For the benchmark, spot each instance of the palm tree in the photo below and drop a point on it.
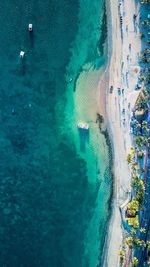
(148, 245)
(145, 22)
(135, 179)
(135, 222)
(133, 207)
(142, 35)
(138, 141)
(129, 158)
(134, 183)
(142, 243)
(140, 194)
(144, 123)
(136, 241)
(142, 230)
(129, 241)
(122, 255)
(135, 262)
(140, 197)
(145, 1)
(144, 128)
(140, 154)
(134, 167)
(133, 231)
(142, 78)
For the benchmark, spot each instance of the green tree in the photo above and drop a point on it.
(135, 262)
(129, 158)
(129, 241)
(148, 245)
(133, 207)
(140, 154)
(133, 231)
(140, 191)
(134, 167)
(142, 230)
(142, 243)
(122, 255)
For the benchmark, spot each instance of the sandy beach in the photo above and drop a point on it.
(123, 73)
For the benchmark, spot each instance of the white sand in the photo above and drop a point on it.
(115, 104)
(86, 107)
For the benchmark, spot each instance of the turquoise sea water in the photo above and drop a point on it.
(54, 197)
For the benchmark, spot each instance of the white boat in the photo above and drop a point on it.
(30, 27)
(83, 125)
(22, 54)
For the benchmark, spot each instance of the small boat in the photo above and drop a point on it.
(30, 27)
(83, 125)
(22, 54)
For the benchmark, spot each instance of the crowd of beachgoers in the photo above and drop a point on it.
(128, 109)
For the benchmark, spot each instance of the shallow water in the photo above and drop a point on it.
(53, 201)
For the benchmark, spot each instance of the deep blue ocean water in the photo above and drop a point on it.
(46, 201)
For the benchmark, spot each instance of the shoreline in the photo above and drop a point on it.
(117, 134)
(104, 94)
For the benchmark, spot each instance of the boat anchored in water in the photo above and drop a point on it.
(30, 27)
(83, 125)
(22, 54)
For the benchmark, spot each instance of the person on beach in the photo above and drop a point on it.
(121, 20)
(130, 47)
(122, 64)
(119, 91)
(135, 23)
(119, 5)
(127, 78)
